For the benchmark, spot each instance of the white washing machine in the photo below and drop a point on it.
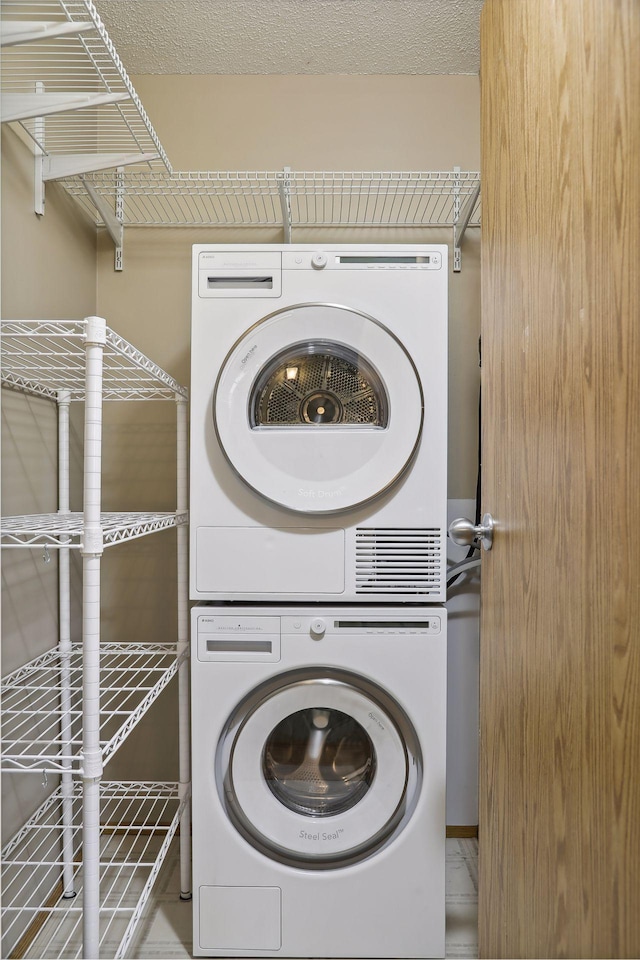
(318, 781)
(319, 423)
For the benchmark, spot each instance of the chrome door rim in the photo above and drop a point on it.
(303, 840)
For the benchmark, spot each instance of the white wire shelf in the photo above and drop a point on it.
(137, 824)
(45, 357)
(56, 530)
(66, 86)
(39, 734)
(295, 198)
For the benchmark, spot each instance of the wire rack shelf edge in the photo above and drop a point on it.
(138, 822)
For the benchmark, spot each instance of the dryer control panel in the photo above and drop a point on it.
(353, 260)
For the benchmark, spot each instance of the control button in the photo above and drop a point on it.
(319, 260)
(297, 624)
(318, 628)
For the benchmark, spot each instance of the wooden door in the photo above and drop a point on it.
(560, 630)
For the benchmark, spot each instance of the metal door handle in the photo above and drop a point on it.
(464, 532)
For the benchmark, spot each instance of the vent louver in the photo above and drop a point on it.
(399, 560)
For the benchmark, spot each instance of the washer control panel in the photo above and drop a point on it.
(258, 638)
(349, 625)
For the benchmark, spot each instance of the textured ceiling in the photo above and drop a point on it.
(295, 36)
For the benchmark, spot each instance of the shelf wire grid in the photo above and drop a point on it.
(137, 823)
(44, 357)
(57, 530)
(39, 735)
(82, 64)
(254, 198)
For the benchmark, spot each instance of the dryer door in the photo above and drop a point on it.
(318, 769)
(318, 408)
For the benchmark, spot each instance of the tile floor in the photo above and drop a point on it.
(165, 928)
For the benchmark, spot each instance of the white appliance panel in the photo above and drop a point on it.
(269, 560)
(340, 895)
(378, 481)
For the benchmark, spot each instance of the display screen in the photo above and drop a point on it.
(384, 624)
(382, 259)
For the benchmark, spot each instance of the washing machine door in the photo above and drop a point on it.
(318, 408)
(318, 769)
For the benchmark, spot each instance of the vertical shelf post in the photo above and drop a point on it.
(64, 647)
(182, 648)
(95, 339)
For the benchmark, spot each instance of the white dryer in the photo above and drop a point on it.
(319, 423)
(319, 781)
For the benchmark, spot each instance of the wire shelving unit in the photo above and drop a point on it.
(137, 823)
(69, 710)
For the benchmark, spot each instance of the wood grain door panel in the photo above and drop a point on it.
(560, 629)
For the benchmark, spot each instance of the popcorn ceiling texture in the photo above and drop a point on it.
(295, 36)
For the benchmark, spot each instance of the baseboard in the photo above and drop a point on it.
(460, 833)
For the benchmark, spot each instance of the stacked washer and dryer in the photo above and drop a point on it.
(317, 560)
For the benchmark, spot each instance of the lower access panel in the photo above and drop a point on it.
(240, 918)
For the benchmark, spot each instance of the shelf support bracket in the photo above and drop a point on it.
(15, 32)
(461, 222)
(284, 188)
(112, 221)
(24, 106)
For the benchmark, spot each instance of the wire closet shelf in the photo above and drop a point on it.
(65, 85)
(282, 198)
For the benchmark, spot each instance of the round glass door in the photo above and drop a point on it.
(318, 408)
(318, 383)
(319, 762)
(318, 768)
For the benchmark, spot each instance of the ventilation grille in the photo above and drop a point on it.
(403, 560)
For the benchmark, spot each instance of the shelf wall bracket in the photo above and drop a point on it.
(461, 218)
(457, 253)
(119, 247)
(284, 189)
(74, 165)
(112, 220)
(460, 225)
(15, 32)
(25, 106)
